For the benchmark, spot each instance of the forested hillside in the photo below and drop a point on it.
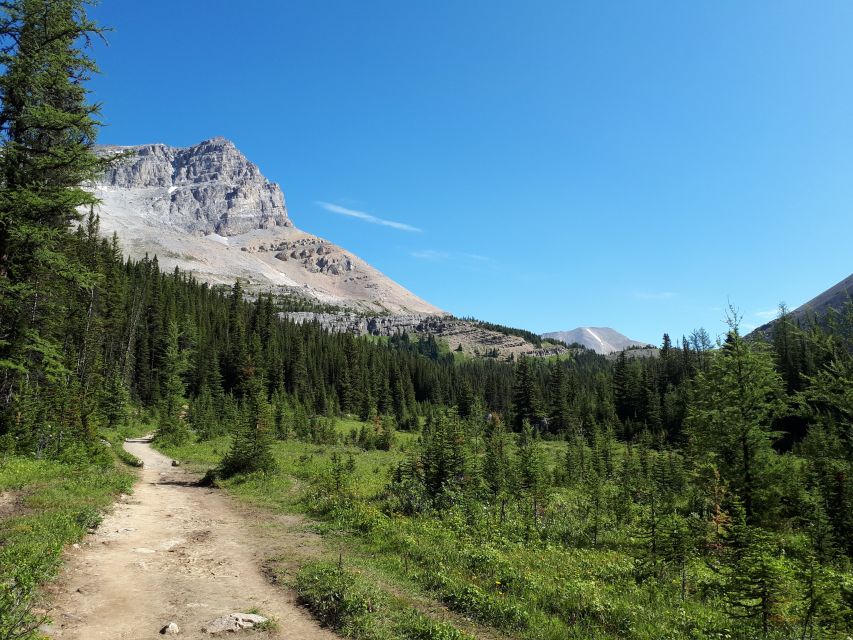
(705, 493)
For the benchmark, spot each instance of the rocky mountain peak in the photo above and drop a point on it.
(209, 211)
(207, 188)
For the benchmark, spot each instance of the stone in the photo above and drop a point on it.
(208, 188)
(233, 622)
(175, 463)
(170, 629)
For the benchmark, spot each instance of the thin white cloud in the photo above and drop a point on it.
(437, 255)
(654, 295)
(476, 257)
(430, 254)
(766, 315)
(367, 217)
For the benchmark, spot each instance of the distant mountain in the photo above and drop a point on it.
(210, 211)
(833, 298)
(600, 339)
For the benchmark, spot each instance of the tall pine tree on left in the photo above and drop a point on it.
(47, 135)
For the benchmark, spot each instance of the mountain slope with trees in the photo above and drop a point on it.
(819, 309)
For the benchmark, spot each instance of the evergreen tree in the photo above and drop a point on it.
(443, 456)
(730, 416)
(47, 132)
(173, 405)
(559, 412)
(531, 472)
(251, 450)
(756, 576)
(498, 469)
(526, 399)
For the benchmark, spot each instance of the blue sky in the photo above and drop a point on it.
(539, 164)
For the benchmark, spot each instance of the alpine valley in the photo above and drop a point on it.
(213, 423)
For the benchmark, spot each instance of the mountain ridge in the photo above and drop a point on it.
(833, 298)
(208, 210)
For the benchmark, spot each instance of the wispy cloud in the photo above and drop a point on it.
(654, 295)
(367, 217)
(766, 315)
(430, 254)
(437, 255)
(476, 257)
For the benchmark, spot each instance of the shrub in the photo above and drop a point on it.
(416, 626)
(338, 598)
(17, 619)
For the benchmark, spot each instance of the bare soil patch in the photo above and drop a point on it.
(178, 552)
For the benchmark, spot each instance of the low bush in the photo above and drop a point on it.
(416, 626)
(338, 598)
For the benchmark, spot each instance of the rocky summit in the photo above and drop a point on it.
(602, 340)
(210, 211)
(208, 188)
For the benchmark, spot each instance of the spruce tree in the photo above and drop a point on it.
(526, 397)
(251, 448)
(730, 416)
(531, 472)
(47, 133)
(756, 577)
(173, 428)
(498, 469)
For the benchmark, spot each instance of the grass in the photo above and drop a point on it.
(348, 602)
(298, 462)
(53, 504)
(270, 625)
(463, 569)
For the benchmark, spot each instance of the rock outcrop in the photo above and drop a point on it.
(208, 188)
(473, 338)
(234, 622)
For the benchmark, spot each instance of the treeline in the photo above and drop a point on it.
(192, 353)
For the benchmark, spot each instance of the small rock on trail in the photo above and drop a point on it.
(170, 629)
(233, 622)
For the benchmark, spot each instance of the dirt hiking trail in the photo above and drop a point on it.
(173, 552)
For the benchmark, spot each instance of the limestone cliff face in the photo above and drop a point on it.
(207, 188)
(210, 211)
